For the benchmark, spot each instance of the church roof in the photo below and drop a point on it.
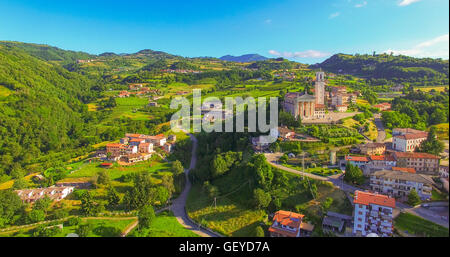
(306, 96)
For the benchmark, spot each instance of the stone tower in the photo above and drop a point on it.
(319, 87)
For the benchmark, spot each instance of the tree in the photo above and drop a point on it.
(146, 215)
(353, 174)
(284, 158)
(36, 216)
(262, 199)
(431, 145)
(87, 204)
(112, 197)
(83, 230)
(140, 194)
(259, 232)
(263, 171)
(326, 204)
(413, 198)
(167, 182)
(10, 206)
(177, 167)
(20, 183)
(103, 177)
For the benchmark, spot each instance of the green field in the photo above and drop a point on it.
(317, 171)
(165, 225)
(101, 227)
(420, 227)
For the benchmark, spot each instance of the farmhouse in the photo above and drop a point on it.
(383, 106)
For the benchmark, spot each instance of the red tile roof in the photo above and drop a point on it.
(367, 198)
(288, 218)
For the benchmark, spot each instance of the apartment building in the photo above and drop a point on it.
(399, 183)
(373, 214)
(424, 163)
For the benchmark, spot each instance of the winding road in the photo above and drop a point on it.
(178, 206)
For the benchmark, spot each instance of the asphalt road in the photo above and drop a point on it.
(178, 206)
(381, 132)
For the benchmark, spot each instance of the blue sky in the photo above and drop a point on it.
(305, 31)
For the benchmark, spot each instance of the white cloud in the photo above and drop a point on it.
(334, 15)
(361, 4)
(436, 47)
(298, 55)
(407, 2)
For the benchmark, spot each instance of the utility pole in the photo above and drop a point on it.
(215, 202)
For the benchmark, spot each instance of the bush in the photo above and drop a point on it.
(73, 221)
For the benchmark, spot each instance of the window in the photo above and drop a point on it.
(359, 226)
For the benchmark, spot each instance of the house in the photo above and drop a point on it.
(136, 141)
(172, 138)
(372, 148)
(335, 222)
(54, 193)
(124, 140)
(359, 161)
(383, 106)
(289, 224)
(168, 147)
(123, 94)
(158, 140)
(135, 86)
(443, 171)
(341, 107)
(286, 133)
(399, 183)
(115, 148)
(372, 214)
(153, 104)
(397, 88)
(145, 148)
(422, 162)
(407, 140)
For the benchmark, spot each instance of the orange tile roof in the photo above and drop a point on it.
(288, 218)
(283, 232)
(410, 170)
(367, 198)
(113, 145)
(356, 158)
(377, 157)
(415, 155)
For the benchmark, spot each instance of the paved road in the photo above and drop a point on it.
(381, 132)
(178, 206)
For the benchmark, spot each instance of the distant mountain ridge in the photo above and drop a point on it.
(243, 58)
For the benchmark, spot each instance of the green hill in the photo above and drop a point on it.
(43, 109)
(395, 68)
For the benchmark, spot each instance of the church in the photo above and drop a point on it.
(307, 106)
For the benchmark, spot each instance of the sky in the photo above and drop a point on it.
(301, 30)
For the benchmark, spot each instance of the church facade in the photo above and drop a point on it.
(307, 106)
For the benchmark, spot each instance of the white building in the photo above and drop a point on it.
(407, 140)
(373, 214)
(399, 183)
(54, 193)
